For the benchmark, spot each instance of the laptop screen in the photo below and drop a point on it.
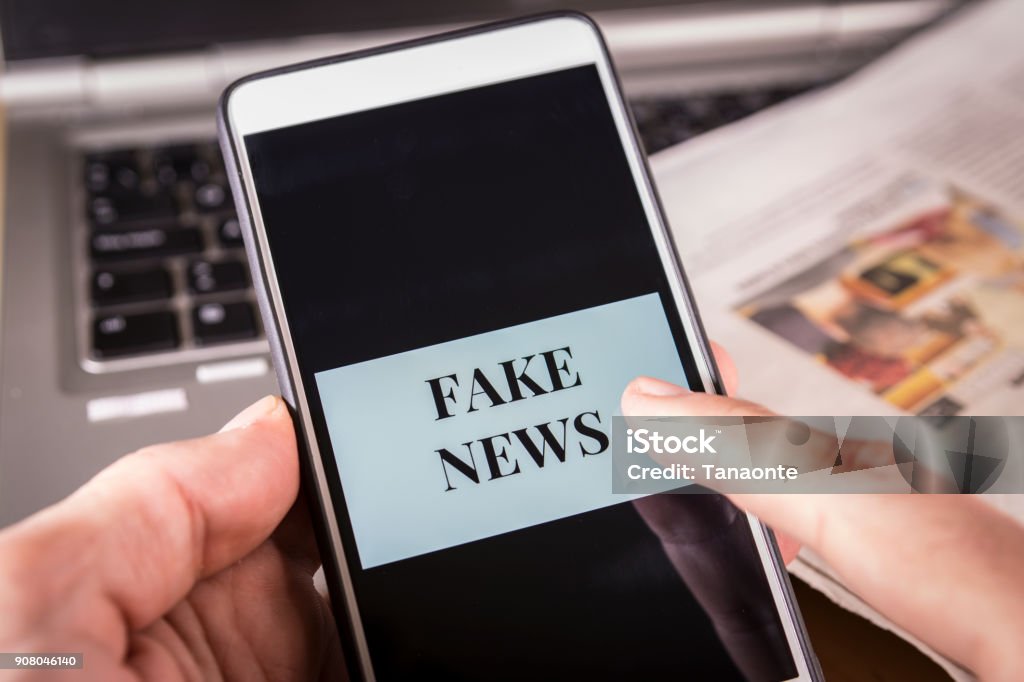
(34, 29)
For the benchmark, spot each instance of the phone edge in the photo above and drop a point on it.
(309, 483)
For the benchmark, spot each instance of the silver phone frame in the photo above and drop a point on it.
(294, 393)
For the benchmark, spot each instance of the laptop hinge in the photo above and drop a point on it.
(44, 83)
(65, 89)
(644, 42)
(73, 88)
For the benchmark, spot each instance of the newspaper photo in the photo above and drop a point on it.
(925, 315)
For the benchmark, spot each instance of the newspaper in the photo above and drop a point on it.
(860, 250)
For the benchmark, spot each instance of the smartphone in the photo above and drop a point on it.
(461, 262)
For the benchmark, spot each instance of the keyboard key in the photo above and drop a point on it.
(181, 162)
(111, 172)
(205, 277)
(110, 287)
(731, 108)
(220, 322)
(212, 197)
(150, 243)
(115, 335)
(229, 232)
(110, 210)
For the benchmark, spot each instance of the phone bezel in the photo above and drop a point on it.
(295, 94)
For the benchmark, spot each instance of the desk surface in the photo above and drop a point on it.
(852, 649)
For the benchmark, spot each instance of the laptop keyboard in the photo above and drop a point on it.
(167, 268)
(664, 122)
(168, 280)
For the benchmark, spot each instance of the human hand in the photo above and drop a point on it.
(945, 568)
(182, 561)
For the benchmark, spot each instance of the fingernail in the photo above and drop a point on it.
(259, 409)
(657, 388)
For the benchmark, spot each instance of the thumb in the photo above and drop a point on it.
(648, 397)
(131, 543)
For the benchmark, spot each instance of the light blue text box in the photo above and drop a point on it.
(385, 431)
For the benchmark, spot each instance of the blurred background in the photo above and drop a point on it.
(127, 312)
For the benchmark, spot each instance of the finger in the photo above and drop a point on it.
(649, 397)
(789, 546)
(131, 542)
(655, 398)
(726, 368)
(817, 449)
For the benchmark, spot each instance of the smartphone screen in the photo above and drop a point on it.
(470, 280)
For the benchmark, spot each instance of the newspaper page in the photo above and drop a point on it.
(860, 250)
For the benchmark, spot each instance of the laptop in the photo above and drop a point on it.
(128, 315)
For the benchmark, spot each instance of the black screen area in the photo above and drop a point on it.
(433, 220)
